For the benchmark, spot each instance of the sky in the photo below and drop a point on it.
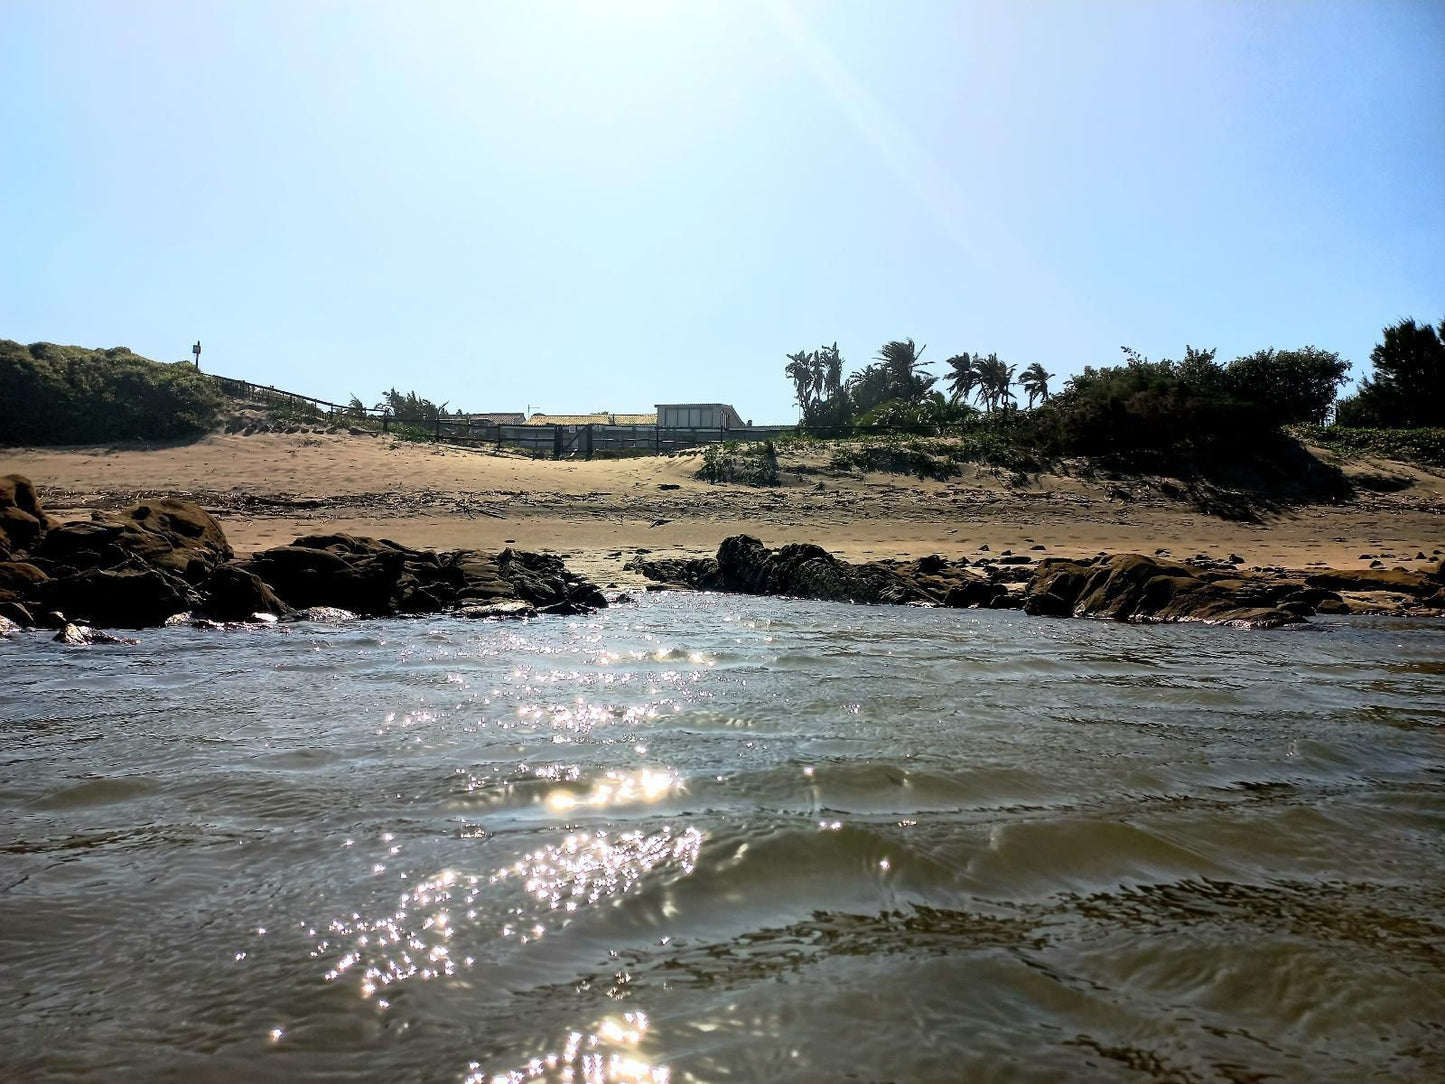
(603, 205)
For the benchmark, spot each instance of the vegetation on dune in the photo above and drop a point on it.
(1425, 445)
(70, 395)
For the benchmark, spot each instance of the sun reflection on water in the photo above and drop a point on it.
(604, 1055)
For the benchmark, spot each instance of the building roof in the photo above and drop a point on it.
(601, 417)
(497, 417)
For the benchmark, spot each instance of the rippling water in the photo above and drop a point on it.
(722, 838)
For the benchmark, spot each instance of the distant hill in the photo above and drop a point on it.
(53, 394)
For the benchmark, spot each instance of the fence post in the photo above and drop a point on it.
(556, 442)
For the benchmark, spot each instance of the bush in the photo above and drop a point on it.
(1423, 445)
(70, 395)
(749, 464)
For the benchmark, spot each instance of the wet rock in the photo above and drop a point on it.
(234, 594)
(330, 615)
(16, 612)
(1047, 604)
(1132, 587)
(976, 593)
(376, 577)
(82, 635)
(8, 627)
(50, 619)
(126, 597)
(503, 608)
(743, 565)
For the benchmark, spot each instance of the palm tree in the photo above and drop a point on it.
(962, 377)
(994, 378)
(904, 365)
(1035, 383)
(800, 371)
(833, 364)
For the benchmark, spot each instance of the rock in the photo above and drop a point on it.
(8, 627)
(14, 611)
(234, 594)
(51, 619)
(175, 536)
(376, 577)
(743, 565)
(128, 598)
(330, 615)
(82, 635)
(513, 608)
(1047, 604)
(23, 523)
(978, 593)
(1132, 587)
(18, 580)
(1393, 579)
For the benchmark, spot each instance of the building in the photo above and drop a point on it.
(495, 417)
(600, 417)
(698, 416)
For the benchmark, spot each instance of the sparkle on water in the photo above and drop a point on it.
(709, 837)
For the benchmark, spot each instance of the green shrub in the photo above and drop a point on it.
(1426, 446)
(70, 395)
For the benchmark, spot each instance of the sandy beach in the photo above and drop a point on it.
(268, 488)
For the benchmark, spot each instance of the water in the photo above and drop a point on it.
(721, 838)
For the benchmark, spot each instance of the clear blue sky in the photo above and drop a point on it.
(604, 205)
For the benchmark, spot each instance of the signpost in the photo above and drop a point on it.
(197, 351)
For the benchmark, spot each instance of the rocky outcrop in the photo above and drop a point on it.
(169, 557)
(1132, 587)
(376, 577)
(127, 597)
(23, 522)
(234, 594)
(174, 536)
(743, 565)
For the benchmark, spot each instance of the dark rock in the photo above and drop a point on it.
(1132, 587)
(513, 608)
(127, 598)
(743, 565)
(668, 485)
(976, 593)
(234, 594)
(175, 536)
(50, 619)
(1014, 559)
(82, 635)
(18, 580)
(1007, 601)
(14, 611)
(1332, 606)
(23, 523)
(1047, 604)
(1394, 579)
(376, 577)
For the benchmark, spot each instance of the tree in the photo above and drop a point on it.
(994, 380)
(962, 377)
(903, 362)
(1408, 385)
(1035, 383)
(1288, 387)
(800, 371)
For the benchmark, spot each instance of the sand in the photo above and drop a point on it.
(268, 488)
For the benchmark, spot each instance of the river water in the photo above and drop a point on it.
(719, 838)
